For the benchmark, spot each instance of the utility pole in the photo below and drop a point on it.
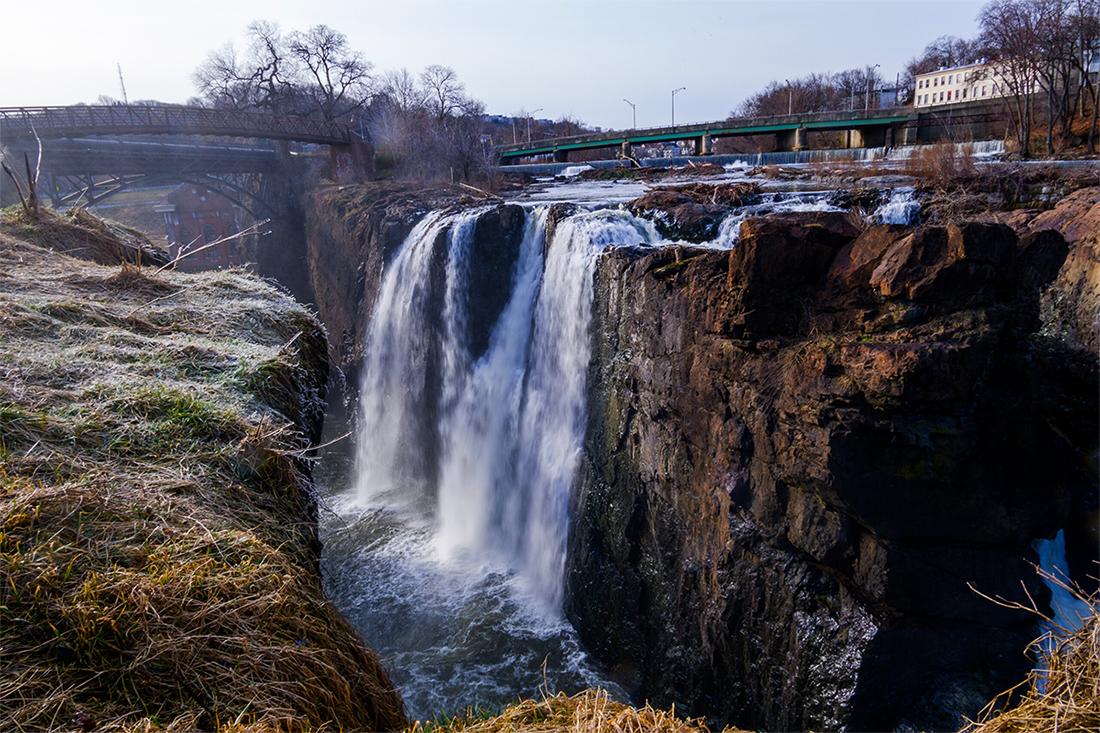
(122, 84)
(674, 91)
(529, 116)
(790, 98)
(634, 112)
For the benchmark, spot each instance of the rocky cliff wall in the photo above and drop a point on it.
(803, 457)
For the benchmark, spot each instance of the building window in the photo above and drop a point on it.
(964, 94)
(949, 95)
(983, 90)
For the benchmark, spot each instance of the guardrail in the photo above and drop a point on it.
(726, 124)
(79, 120)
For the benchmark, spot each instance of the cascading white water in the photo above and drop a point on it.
(902, 208)
(508, 423)
(393, 370)
(729, 231)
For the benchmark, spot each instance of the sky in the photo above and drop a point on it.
(568, 57)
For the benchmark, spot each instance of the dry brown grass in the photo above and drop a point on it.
(83, 235)
(158, 550)
(1063, 694)
(590, 711)
(941, 165)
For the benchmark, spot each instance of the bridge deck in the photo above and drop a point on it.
(724, 128)
(85, 120)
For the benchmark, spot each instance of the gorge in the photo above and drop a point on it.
(761, 476)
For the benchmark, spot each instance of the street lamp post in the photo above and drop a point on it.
(790, 97)
(634, 113)
(530, 115)
(674, 91)
(870, 83)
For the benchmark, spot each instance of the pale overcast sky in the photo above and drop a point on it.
(576, 57)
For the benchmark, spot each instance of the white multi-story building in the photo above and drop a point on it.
(973, 82)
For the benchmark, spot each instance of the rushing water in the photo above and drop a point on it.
(446, 544)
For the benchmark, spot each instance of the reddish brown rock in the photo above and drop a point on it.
(788, 484)
(1076, 217)
(855, 262)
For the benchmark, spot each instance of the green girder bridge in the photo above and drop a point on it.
(862, 128)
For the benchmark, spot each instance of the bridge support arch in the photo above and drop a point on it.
(626, 150)
(561, 156)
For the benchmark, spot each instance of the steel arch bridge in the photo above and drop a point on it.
(91, 152)
(117, 119)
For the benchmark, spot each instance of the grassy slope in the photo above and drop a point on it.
(158, 550)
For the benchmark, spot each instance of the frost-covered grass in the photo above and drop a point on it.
(157, 539)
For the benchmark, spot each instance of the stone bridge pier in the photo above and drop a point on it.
(352, 162)
(795, 139)
(869, 137)
(704, 145)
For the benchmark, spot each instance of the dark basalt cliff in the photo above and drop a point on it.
(804, 452)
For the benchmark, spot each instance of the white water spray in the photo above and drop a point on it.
(508, 424)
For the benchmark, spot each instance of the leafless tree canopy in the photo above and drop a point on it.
(422, 126)
(308, 73)
(338, 78)
(1045, 49)
(814, 93)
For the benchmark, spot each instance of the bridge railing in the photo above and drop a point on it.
(165, 119)
(703, 127)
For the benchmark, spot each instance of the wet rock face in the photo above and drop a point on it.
(692, 212)
(799, 454)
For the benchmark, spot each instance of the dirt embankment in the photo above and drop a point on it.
(158, 539)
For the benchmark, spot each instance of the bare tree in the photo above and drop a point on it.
(1010, 30)
(338, 77)
(260, 79)
(401, 89)
(269, 71)
(444, 93)
(1084, 24)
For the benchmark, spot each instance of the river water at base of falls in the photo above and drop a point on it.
(445, 544)
(446, 522)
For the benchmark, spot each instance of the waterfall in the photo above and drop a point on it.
(729, 231)
(902, 208)
(490, 442)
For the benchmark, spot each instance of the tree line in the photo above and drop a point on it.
(422, 125)
(1043, 50)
